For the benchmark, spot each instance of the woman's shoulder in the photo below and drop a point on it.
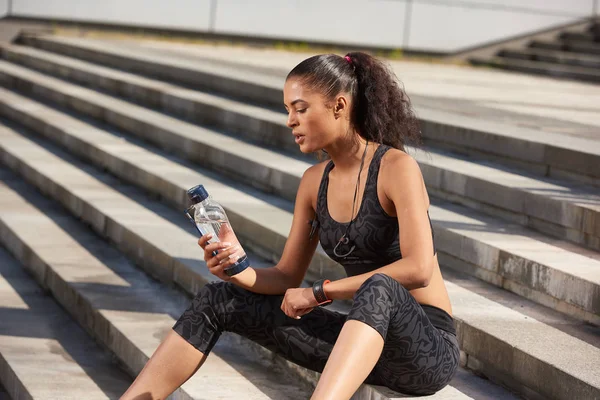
(396, 158)
(315, 172)
(311, 178)
(400, 171)
(397, 165)
(311, 181)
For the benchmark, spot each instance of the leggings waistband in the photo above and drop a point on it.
(439, 318)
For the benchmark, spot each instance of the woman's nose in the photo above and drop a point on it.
(291, 120)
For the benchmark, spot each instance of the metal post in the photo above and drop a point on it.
(213, 16)
(407, 21)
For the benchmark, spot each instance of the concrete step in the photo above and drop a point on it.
(179, 70)
(545, 153)
(507, 255)
(526, 199)
(575, 46)
(515, 349)
(549, 56)
(44, 354)
(549, 45)
(119, 305)
(543, 68)
(128, 309)
(580, 37)
(582, 47)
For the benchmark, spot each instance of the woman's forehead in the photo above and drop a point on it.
(295, 89)
(294, 85)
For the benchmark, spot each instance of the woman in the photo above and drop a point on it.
(399, 332)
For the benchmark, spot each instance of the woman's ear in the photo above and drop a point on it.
(340, 107)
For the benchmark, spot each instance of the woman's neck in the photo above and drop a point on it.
(347, 154)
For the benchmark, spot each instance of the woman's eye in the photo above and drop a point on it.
(301, 111)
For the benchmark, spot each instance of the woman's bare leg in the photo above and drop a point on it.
(173, 363)
(352, 359)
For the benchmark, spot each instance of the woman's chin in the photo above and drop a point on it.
(308, 150)
(305, 148)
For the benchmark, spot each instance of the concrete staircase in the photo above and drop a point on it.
(38, 336)
(570, 54)
(99, 143)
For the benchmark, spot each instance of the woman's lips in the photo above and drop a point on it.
(299, 138)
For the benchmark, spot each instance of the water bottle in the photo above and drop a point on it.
(208, 216)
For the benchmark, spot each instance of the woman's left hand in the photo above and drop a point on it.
(298, 301)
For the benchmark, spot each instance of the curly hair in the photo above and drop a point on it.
(382, 111)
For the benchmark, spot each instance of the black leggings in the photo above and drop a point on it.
(417, 357)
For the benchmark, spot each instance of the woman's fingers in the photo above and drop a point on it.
(218, 255)
(216, 246)
(223, 259)
(286, 310)
(225, 253)
(292, 311)
(211, 250)
(215, 266)
(204, 239)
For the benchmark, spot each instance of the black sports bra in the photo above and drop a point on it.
(373, 236)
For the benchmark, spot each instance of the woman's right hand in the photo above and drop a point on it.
(217, 263)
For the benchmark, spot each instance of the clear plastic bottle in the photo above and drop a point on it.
(208, 216)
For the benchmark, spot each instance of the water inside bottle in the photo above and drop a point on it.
(206, 226)
(221, 231)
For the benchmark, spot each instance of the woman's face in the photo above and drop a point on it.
(314, 124)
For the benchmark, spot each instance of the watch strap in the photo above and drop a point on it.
(319, 292)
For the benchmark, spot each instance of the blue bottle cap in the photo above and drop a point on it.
(197, 194)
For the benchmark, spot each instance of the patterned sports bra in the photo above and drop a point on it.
(374, 234)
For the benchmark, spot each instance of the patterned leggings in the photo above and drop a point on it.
(417, 357)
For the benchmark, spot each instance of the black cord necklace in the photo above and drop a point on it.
(344, 239)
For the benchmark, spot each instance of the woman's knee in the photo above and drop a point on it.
(380, 285)
(379, 279)
(201, 324)
(228, 303)
(374, 303)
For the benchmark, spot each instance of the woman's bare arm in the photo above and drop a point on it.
(298, 251)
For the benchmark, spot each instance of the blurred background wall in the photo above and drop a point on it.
(425, 25)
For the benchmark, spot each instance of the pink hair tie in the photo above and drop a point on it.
(348, 59)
